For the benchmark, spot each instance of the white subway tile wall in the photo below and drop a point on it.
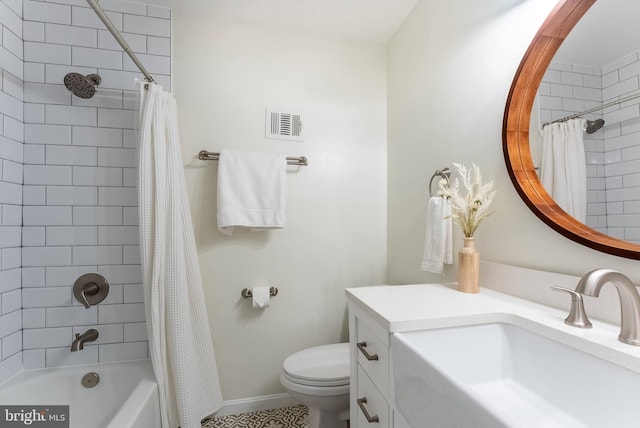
(75, 210)
(613, 154)
(12, 92)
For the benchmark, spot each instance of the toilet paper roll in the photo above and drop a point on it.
(261, 297)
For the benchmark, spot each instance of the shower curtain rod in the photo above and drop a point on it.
(591, 110)
(114, 31)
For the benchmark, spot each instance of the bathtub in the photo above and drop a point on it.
(125, 397)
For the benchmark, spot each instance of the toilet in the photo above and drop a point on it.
(319, 378)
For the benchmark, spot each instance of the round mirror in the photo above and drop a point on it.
(517, 119)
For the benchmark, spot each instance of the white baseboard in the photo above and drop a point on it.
(255, 404)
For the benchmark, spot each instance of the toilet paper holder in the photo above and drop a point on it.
(246, 293)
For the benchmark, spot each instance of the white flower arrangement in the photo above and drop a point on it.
(468, 211)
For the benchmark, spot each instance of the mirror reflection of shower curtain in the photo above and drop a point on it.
(563, 169)
(180, 341)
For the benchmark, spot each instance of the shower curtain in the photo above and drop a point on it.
(180, 342)
(563, 169)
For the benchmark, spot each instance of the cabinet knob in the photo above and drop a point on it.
(371, 419)
(362, 346)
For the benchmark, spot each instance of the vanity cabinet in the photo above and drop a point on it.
(370, 371)
(378, 312)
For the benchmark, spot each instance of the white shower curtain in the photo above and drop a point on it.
(563, 169)
(179, 338)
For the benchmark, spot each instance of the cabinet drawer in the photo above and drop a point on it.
(372, 348)
(370, 403)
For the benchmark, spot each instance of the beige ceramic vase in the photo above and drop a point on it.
(468, 267)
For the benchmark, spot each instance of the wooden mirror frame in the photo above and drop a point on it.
(515, 133)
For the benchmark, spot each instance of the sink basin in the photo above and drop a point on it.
(501, 375)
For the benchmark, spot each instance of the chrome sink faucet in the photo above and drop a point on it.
(590, 285)
(88, 336)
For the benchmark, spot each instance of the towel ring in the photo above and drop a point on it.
(445, 174)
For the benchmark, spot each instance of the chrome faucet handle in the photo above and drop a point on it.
(577, 315)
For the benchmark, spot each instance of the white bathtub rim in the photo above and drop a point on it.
(28, 374)
(146, 392)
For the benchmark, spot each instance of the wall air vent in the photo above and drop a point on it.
(283, 126)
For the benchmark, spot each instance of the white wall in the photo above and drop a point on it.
(335, 236)
(80, 200)
(450, 68)
(621, 79)
(11, 144)
(68, 202)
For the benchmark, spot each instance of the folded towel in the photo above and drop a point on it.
(438, 245)
(251, 190)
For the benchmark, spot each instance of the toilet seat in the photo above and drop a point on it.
(321, 366)
(320, 390)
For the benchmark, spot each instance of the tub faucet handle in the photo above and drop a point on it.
(91, 289)
(577, 315)
(88, 290)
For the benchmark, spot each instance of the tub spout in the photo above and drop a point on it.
(88, 336)
(592, 282)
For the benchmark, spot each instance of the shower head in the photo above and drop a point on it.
(593, 125)
(82, 86)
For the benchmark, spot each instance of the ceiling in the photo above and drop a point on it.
(364, 20)
(607, 32)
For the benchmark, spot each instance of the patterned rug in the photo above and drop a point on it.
(287, 417)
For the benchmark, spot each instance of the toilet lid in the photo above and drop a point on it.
(320, 364)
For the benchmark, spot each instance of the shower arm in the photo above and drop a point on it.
(116, 34)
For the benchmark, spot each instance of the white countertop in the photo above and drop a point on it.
(401, 308)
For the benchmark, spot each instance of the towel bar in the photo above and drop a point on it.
(246, 293)
(298, 160)
(445, 174)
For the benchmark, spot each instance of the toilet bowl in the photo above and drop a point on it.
(319, 378)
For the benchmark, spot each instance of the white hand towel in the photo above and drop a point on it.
(251, 190)
(438, 241)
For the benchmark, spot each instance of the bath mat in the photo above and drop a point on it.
(287, 417)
